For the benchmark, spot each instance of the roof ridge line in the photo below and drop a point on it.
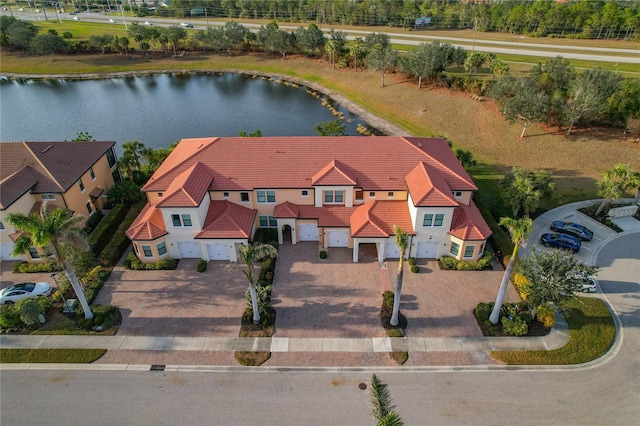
(46, 170)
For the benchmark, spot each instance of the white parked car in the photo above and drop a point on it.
(589, 285)
(186, 25)
(75, 18)
(13, 293)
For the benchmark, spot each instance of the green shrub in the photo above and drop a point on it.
(448, 262)
(546, 315)
(44, 302)
(93, 221)
(133, 263)
(387, 299)
(267, 270)
(119, 243)
(323, 254)
(515, 326)
(10, 318)
(202, 266)
(28, 268)
(106, 229)
(412, 261)
(30, 310)
(267, 236)
(483, 311)
(415, 269)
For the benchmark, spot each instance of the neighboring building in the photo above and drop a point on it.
(210, 195)
(71, 175)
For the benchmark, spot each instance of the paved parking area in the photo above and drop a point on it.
(178, 303)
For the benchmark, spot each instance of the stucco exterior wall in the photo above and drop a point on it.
(76, 199)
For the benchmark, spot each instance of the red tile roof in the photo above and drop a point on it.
(468, 224)
(327, 216)
(227, 220)
(378, 218)
(148, 226)
(333, 174)
(429, 188)
(56, 165)
(286, 210)
(188, 188)
(375, 163)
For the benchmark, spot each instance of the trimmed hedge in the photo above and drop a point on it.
(28, 268)
(202, 266)
(500, 239)
(93, 221)
(133, 263)
(106, 229)
(449, 262)
(267, 236)
(119, 241)
(93, 282)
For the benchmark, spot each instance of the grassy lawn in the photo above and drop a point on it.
(66, 356)
(591, 334)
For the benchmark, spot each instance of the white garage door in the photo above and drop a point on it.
(391, 249)
(427, 250)
(189, 250)
(218, 251)
(5, 251)
(338, 238)
(308, 232)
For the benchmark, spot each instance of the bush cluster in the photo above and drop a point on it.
(202, 266)
(546, 315)
(522, 285)
(24, 267)
(119, 242)
(93, 221)
(267, 236)
(323, 254)
(263, 294)
(106, 229)
(483, 311)
(94, 281)
(132, 262)
(25, 313)
(104, 316)
(449, 262)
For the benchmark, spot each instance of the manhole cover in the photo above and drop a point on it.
(362, 386)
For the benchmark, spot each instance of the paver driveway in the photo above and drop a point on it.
(178, 303)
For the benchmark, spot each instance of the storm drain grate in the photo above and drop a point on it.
(157, 367)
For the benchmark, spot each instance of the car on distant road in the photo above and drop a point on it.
(575, 230)
(561, 241)
(13, 293)
(148, 23)
(75, 18)
(113, 21)
(589, 285)
(186, 25)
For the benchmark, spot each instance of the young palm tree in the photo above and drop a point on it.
(519, 230)
(52, 230)
(248, 254)
(402, 240)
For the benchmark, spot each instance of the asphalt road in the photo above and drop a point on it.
(595, 54)
(601, 393)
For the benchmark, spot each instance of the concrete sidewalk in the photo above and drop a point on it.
(555, 339)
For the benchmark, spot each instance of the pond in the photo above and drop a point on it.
(158, 110)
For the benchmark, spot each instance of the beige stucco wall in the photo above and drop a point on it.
(137, 245)
(76, 200)
(477, 245)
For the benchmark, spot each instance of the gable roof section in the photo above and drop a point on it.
(376, 163)
(189, 188)
(468, 224)
(148, 226)
(328, 216)
(55, 165)
(377, 219)
(286, 210)
(332, 174)
(16, 185)
(227, 220)
(428, 187)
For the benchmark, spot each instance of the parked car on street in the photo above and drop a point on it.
(561, 241)
(13, 293)
(573, 229)
(589, 285)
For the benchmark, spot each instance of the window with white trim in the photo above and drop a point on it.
(457, 194)
(266, 196)
(160, 194)
(390, 194)
(48, 196)
(263, 221)
(186, 219)
(88, 205)
(272, 221)
(305, 193)
(162, 248)
(92, 174)
(468, 251)
(334, 197)
(147, 251)
(372, 194)
(33, 252)
(427, 220)
(438, 219)
(175, 218)
(225, 194)
(455, 248)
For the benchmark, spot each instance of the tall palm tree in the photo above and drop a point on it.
(52, 230)
(402, 241)
(519, 230)
(249, 254)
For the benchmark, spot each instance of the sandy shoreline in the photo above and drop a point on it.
(373, 120)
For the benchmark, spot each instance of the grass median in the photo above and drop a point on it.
(56, 356)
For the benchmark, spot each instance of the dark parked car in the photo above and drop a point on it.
(562, 241)
(573, 229)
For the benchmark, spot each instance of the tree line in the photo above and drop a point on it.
(578, 19)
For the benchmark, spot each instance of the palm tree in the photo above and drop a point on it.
(248, 254)
(402, 241)
(519, 230)
(52, 230)
(615, 182)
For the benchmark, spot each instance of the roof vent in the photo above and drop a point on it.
(419, 144)
(46, 149)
